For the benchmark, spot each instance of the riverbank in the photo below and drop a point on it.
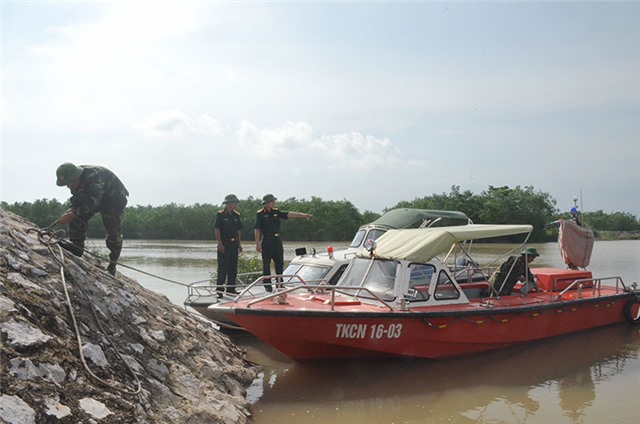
(144, 359)
(617, 235)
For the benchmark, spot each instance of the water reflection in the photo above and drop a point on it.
(560, 377)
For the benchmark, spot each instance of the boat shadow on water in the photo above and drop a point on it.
(566, 369)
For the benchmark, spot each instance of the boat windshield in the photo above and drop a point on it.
(377, 276)
(311, 274)
(373, 234)
(357, 239)
(419, 282)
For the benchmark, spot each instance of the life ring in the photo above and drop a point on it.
(631, 311)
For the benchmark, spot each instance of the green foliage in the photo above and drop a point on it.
(617, 221)
(465, 202)
(517, 206)
(249, 263)
(171, 222)
(249, 269)
(332, 220)
(42, 212)
(369, 216)
(497, 205)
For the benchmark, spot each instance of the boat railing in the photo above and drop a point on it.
(471, 273)
(205, 289)
(246, 278)
(281, 294)
(200, 290)
(595, 284)
(283, 281)
(358, 291)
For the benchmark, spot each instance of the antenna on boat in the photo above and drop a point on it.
(575, 204)
(575, 201)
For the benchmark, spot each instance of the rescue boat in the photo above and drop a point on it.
(402, 297)
(313, 267)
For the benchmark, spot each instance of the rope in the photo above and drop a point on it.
(48, 237)
(144, 272)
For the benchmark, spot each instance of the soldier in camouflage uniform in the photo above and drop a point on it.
(510, 273)
(227, 231)
(267, 234)
(94, 189)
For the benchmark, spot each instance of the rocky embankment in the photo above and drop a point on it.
(171, 367)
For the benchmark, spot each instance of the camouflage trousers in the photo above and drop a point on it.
(112, 221)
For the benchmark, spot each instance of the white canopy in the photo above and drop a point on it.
(423, 244)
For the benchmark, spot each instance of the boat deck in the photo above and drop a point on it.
(343, 303)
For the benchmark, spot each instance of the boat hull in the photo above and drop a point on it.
(304, 334)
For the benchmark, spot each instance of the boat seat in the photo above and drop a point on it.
(476, 289)
(475, 278)
(418, 292)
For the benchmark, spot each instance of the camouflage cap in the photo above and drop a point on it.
(268, 198)
(66, 173)
(530, 251)
(231, 198)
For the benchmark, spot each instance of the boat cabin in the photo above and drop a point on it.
(408, 283)
(315, 267)
(404, 268)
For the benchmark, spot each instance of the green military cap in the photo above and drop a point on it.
(66, 173)
(530, 251)
(268, 198)
(231, 198)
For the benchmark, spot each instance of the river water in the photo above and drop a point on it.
(590, 377)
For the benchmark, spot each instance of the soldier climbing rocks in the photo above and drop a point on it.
(94, 189)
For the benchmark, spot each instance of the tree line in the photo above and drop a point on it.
(334, 220)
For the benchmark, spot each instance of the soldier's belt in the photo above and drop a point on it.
(272, 235)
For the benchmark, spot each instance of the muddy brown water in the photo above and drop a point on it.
(591, 377)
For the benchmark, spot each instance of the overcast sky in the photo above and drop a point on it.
(374, 103)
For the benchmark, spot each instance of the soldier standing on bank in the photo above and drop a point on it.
(267, 235)
(94, 189)
(227, 229)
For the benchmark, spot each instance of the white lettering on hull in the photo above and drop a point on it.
(351, 331)
(363, 331)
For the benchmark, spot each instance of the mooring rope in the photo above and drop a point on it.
(48, 237)
(144, 272)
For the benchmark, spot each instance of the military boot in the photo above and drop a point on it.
(111, 268)
(72, 247)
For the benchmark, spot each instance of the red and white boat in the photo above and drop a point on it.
(403, 298)
(322, 267)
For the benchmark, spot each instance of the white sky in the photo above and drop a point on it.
(370, 102)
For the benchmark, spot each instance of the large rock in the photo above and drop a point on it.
(172, 353)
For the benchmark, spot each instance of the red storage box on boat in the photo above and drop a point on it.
(553, 279)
